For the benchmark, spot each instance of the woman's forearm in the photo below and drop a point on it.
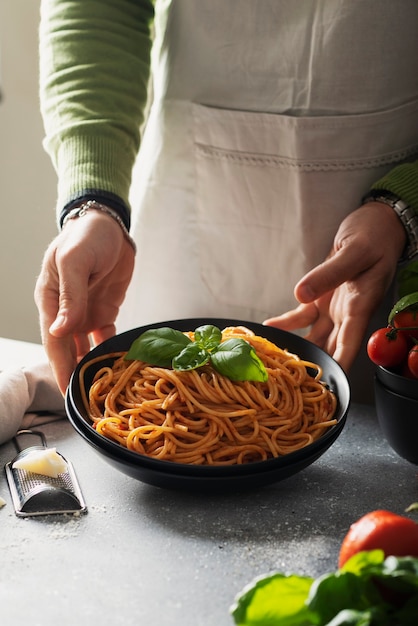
(94, 71)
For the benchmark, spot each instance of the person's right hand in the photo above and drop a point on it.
(83, 280)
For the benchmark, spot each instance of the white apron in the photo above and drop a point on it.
(270, 120)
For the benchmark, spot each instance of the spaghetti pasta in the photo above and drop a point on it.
(201, 417)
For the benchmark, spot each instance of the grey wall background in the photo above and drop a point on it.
(27, 179)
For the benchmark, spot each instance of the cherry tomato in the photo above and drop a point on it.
(406, 319)
(406, 372)
(413, 361)
(387, 347)
(395, 534)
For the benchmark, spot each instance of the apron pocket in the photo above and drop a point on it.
(266, 189)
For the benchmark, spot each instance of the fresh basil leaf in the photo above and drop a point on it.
(237, 360)
(208, 337)
(407, 613)
(408, 279)
(368, 590)
(362, 560)
(332, 593)
(411, 300)
(351, 617)
(158, 346)
(405, 566)
(191, 357)
(166, 347)
(276, 599)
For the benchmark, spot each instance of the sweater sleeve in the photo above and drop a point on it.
(403, 182)
(94, 71)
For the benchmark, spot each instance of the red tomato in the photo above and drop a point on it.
(406, 319)
(395, 534)
(387, 347)
(413, 361)
(405, 371)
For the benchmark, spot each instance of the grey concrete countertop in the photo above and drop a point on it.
(144, 555)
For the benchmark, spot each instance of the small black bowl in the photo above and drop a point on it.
(202, 477)
(396, 400)
(397, 383)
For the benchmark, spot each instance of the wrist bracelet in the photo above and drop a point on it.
(97, 206)
(407, 216)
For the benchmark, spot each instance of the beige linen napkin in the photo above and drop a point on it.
(29, 397)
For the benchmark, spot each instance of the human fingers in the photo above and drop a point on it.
(61, 304)
(74, 274)
(62, 355)
(61, 351)
(301, 317)
(342, 266)
(321, 331)
(307, 316)
(355, 250)
(101, 334)
(65, 352)
(347, 340)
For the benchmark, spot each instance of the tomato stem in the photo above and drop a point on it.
(392, 334)
(393, 331)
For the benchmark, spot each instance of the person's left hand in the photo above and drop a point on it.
(339, 296)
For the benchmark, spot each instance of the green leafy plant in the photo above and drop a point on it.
(369, 590)
(166, 347)
(408, 279)
(409, 301)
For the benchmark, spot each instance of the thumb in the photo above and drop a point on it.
(344, 265)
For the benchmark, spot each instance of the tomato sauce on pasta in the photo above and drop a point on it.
(201, 417)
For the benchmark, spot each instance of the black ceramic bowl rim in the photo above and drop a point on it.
(334, 376)
(407, 387)
(397, 416)
(395, 394)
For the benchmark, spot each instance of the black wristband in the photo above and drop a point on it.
(103, 197)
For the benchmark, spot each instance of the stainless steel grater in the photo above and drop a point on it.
(36, 494)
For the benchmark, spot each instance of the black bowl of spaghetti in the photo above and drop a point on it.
(200, 431)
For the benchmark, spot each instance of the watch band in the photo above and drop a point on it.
(406, 214)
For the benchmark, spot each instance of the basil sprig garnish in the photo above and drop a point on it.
(409, 301)
(165, 347)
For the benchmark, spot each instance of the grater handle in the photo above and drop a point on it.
(36, 433)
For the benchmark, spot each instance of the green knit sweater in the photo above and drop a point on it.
(93, 90)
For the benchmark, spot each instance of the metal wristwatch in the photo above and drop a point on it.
(406, 214)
